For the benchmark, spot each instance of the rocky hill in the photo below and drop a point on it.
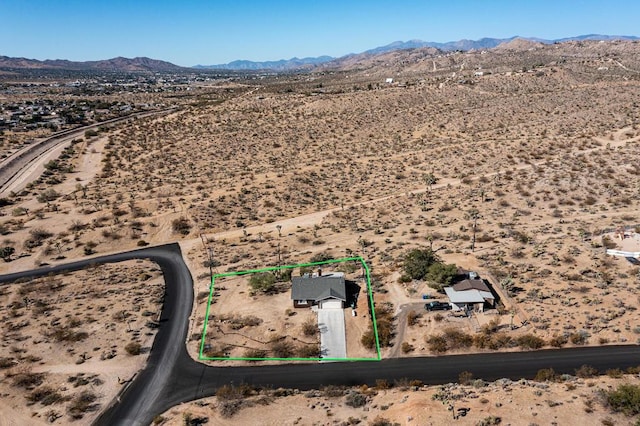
(120, 64)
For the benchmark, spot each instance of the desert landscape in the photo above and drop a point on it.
(519, 163)
(72, 342)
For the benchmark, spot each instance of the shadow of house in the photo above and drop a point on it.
(353, 292)
(324, 291)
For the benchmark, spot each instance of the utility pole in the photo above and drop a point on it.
(279, 228)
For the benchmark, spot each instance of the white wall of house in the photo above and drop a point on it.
(330, 304)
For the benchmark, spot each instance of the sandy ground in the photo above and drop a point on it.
(241, 321)
(68, 334)
(574, 402)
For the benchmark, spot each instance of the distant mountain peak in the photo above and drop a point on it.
(294, 63)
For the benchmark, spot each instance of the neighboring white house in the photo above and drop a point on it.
(325, 291)
(470, 294)
(388, 80)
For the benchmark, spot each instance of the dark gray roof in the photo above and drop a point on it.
(318, 288)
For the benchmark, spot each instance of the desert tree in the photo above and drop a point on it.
(473, 214)
(429, 180)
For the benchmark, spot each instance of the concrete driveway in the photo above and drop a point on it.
(333, 343)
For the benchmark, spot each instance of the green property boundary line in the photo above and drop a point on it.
(277, 268)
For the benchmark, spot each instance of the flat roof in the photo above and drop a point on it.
(467, 296)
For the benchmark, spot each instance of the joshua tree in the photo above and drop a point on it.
(429, 180)
(474, 215)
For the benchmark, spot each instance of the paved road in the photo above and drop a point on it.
(172, 377)
(142, 400)
(25, 160)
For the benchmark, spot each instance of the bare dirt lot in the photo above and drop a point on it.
(573, 401)
(245, 323)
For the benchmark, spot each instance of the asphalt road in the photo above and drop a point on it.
(15, 165)
(172, 377)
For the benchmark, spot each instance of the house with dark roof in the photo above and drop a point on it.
(324, 291)
(470, 294)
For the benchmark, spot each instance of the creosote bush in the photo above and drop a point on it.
(181, 226)
(133, 348)
(624, 399)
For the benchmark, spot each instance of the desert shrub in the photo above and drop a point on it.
(457, 339)
(263, 282)
(133, 348)
(27, 379)
(546, 375)
(579, 338)
(321, 257)
(332, 391)
(383, 384)
(310, 328)
(608, 243)
(368, 339)
(6, 362)
(211, 351)
(255, 353)
(282, 349)
(82, 403)
(228, 409)
(404, 278)
(66, 334)
(237, 322)
(530, 341)
(381, 421)
(437, 344)
(37, 236)
(6, 252)
(308, 351)
(47, 195)
(121, 316)
(181, 226)
(46, 395)
(501, 340)
(407, 347)
(491, 327)
(465, 378)
(586, 371)
(558, 341)
(385, 332)
(489, 421)
(624, 399)
(384, 323)
(356, 400)
(231, 392)
(615, 373)
(413, 317)
(633, 370)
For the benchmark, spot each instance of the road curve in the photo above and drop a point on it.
(172, 377)
(138, 403)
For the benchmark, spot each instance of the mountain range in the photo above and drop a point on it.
(142, 64)
(119, 64)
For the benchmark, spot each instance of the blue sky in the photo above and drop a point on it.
(218, 31)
